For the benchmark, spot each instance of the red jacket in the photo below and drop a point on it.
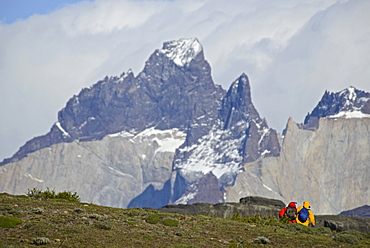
(282, 212)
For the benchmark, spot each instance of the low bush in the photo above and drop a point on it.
(170, 222)
(37, 211)
(347, 238)
(51, 194)
(106, 225)
(153, 219)
(9, 221)
(40, 241)
(261, 240)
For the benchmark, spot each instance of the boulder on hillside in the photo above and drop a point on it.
(257, 200)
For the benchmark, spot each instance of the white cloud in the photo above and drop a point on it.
(291, 50)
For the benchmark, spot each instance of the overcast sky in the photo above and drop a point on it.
(291, 50)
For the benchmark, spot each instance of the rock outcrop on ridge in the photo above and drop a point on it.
(247, 206)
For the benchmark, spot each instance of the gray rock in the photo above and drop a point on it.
(328, 167)
(251, 206)
(343, 223)
(109, 172)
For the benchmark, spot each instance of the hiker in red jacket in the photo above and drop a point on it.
(290, 211)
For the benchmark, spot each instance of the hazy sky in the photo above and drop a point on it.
(291, 50)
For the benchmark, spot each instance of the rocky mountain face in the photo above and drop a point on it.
(171, 136)
(111, 171)
(327, 165)
(93, 148)
(347, 103)
(174, 90)
(239, 136)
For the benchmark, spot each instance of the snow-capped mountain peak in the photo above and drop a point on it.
(182, 51)
(348, 103)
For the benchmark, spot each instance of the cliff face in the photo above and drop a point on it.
(238, 136)
(111, 171)
(328, 167)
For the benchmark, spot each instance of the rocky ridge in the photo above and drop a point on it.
(175, 91)
(348, 103)
(264, 207)
(202, 144)
(328, 167)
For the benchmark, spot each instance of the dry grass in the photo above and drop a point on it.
(63, 223)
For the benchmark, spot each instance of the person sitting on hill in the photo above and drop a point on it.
(305, 215)
(290, 212)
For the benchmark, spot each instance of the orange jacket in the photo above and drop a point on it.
(311, 216)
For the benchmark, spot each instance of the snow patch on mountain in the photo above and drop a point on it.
(348, 103)
(166, 140)
(211, 155)
(33, 178)
(65, 133)
(352, 106)
(349, 115)
(182, 51)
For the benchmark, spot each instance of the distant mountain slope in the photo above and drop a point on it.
(348, 103)
(363, 211)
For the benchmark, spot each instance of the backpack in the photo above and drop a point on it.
(303, 215)
(290, 213)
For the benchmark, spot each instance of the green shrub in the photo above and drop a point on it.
(106, 225)
(9, 221)
(153, 219)
(355, 233)
(347, 238)
(323, 230)
(37, 211)
(96, 216)
(5, 208)
(50, 194)
(170, 222)
(261, 240)
(40, 241)
(66, 195)
(300, 228)
(78, 210)
(182, 246)
(135, 212)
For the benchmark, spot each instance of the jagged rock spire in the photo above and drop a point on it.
(348, 103)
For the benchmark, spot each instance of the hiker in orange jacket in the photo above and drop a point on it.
(291, 215)
(311, 216)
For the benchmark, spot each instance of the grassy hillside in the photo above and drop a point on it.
(32, 221)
